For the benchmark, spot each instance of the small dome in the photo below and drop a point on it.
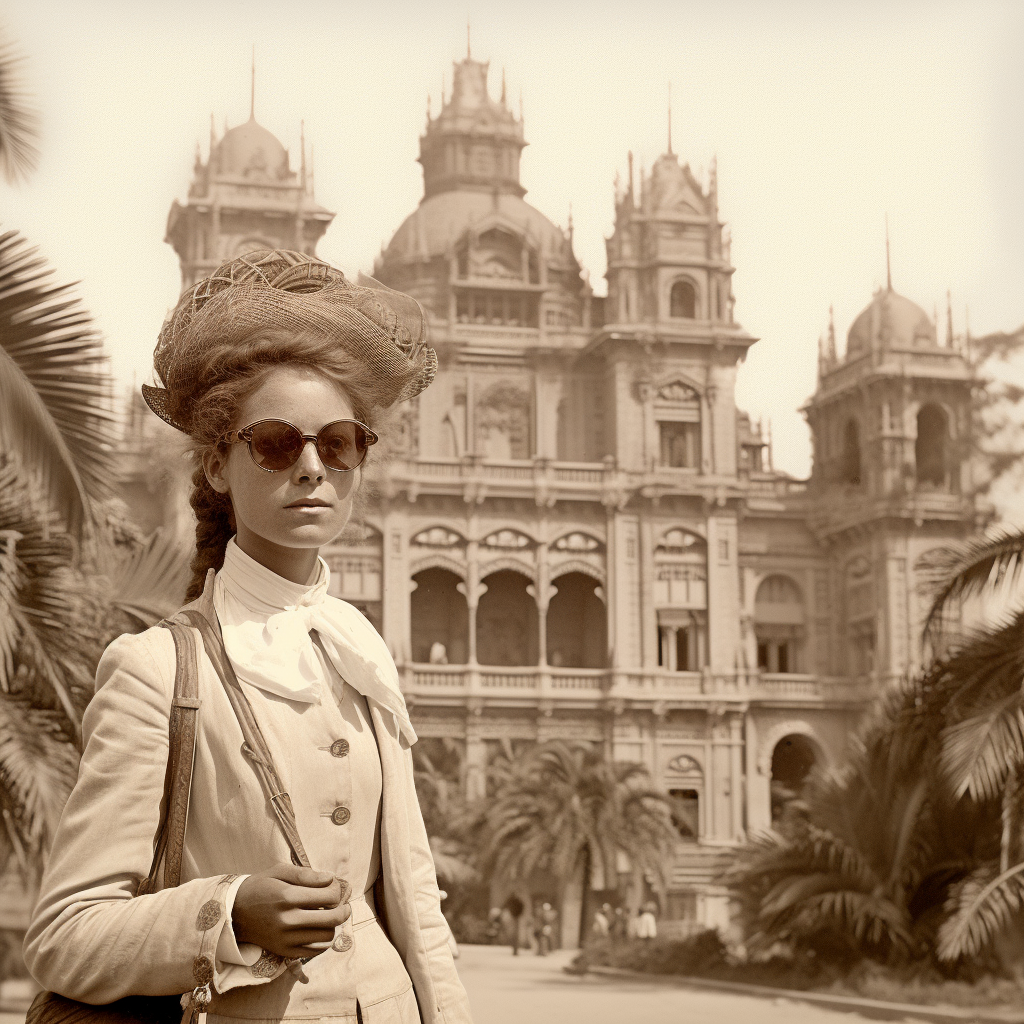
(251, 151)
(890, 321)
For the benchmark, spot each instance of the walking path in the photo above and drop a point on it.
(529, 989)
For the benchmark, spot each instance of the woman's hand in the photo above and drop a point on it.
(289, 910)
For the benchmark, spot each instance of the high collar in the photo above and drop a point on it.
(261, 591)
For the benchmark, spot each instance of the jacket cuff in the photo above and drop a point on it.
(229, 951)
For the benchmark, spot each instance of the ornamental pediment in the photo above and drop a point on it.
(577, 542)
(507, 540)
(437, 537)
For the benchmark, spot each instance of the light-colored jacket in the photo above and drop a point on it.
(89, 939)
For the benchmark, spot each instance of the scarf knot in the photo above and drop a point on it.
(267, 620)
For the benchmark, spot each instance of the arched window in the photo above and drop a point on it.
(779, 625)
(931, 447)
(576, 624)
(850, 468)
(682, 300)
(440, 618)
(792, 760)
(506, 621)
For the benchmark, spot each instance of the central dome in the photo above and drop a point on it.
(251, 151)
(890, 321)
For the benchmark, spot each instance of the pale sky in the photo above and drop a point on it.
(824, 117)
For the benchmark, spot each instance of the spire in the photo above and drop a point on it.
(503, 91)
(669, 118)
(252, 92)
(888, 265)
(949, 321)
(213, 135)
(570, 225)
(831, 350)
(631, 177)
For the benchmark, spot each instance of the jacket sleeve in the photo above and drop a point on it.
(90, 938)
(451, 995)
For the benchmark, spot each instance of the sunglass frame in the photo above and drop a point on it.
(244, 436)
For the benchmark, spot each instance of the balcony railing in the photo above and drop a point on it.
(583, 685)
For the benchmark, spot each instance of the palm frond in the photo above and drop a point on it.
(955, 573)
(978, 912)
(38, 768)
(980, 751)
(18, 121)
(151, 581)
(55, 389)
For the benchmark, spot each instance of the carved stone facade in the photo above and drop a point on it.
(583, 537)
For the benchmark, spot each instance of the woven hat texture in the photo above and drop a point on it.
(279, 290)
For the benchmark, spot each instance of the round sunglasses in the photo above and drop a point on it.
(275, 445)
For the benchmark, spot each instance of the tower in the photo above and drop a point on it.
(245, 197)
(891, 476)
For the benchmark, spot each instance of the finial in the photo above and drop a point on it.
(949, 320)
(669, 118)
(888, 266)
(503, 86)
(831, 335)
(631, 175)
(252, 94)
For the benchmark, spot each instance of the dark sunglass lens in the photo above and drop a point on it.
(275, 446)
(342, 445)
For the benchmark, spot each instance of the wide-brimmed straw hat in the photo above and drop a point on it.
(280, 290)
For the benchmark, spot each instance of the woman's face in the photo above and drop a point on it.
(284, 518)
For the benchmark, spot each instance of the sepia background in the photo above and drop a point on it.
(718, 397)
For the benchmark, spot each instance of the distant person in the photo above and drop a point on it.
(620, 925)
(514, 908)
(438, 653)
(548, 917)
(493, 925)
(600, 926)
(647, 925)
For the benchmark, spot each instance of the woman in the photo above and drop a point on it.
(277, 368)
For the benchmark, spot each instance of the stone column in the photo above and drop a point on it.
(736, 751)
(473, 593)
(759, 799)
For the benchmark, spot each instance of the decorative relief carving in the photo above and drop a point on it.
(437, 537)
(679, 541)
(685, 765)
(507, 539)
(677, 391)
(577, 542)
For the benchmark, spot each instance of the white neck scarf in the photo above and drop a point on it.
(266, 621)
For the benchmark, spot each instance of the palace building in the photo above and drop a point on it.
(581, 536)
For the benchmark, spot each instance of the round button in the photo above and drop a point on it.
(340, 815)
(343, 943)
(339, 748)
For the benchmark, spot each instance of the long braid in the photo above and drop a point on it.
(215, 525)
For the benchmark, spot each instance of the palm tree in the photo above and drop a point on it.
(983, 739)
(567, 810)
(18, 152)
(864, 865)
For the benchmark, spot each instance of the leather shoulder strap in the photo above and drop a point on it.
(254, 746)
(182, 732)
